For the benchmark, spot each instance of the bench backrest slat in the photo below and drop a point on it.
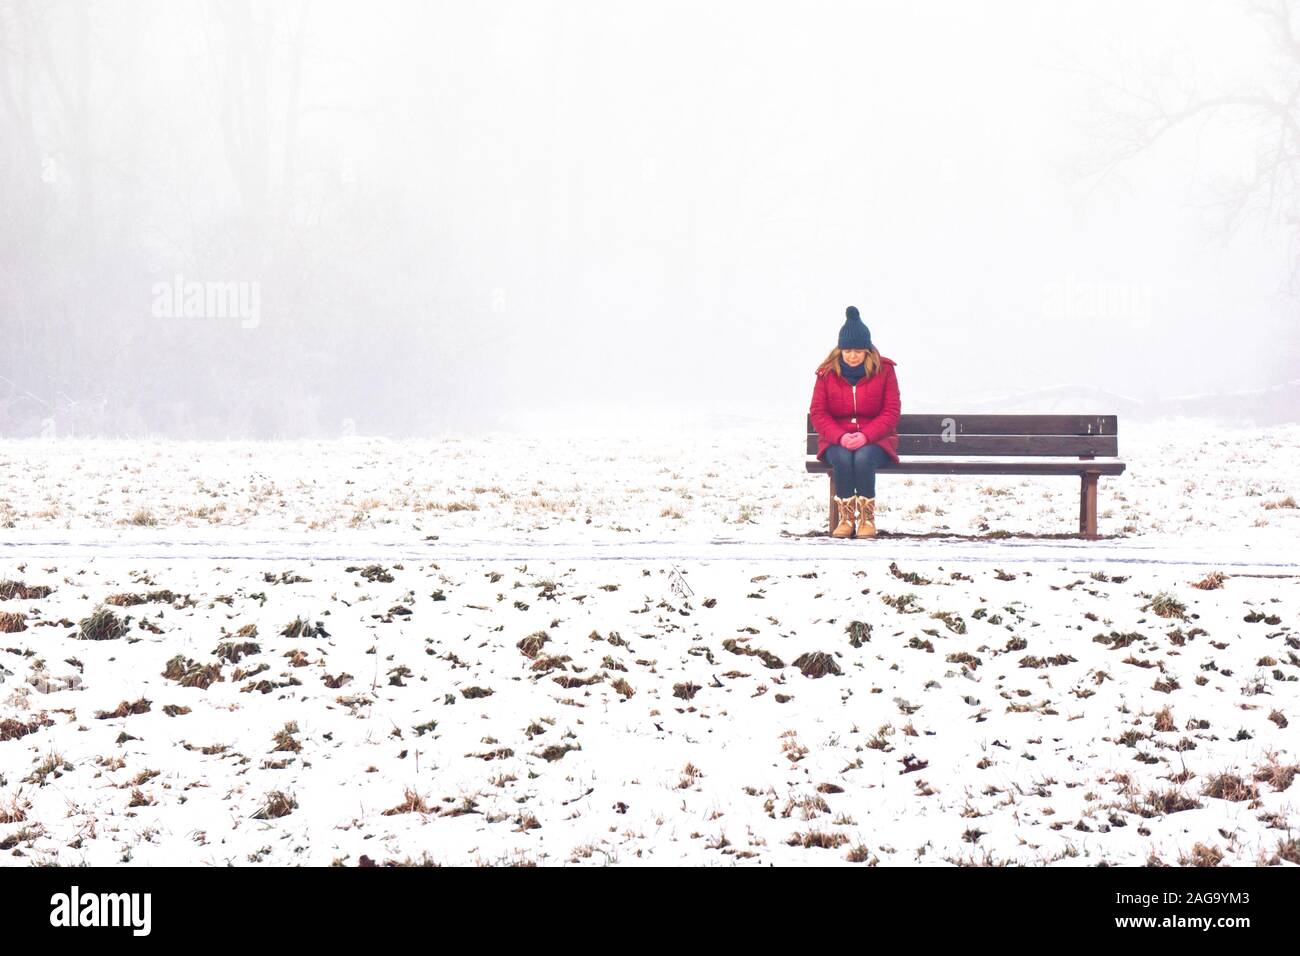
(1008, 424)
(1018, 435)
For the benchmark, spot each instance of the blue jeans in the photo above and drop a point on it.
(855, 471)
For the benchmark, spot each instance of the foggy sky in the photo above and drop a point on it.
(470, 213)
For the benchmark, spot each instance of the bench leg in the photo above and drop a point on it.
(831, 522)
(1088, 505)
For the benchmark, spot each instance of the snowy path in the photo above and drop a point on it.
(175, 544)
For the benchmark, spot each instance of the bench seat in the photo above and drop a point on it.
(964, 467)
(959, 444)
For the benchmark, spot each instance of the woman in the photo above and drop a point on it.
(855, 410)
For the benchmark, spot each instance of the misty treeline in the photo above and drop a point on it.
(248, 218)
(113, 185)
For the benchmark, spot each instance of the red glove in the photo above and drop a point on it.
(853, 440)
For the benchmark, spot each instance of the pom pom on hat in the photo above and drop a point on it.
(854, 334)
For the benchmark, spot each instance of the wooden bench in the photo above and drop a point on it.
(948, 445)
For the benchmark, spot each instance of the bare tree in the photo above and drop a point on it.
(1134, 115)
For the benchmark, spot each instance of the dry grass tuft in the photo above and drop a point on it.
(125, 709)
(1201, 855)
(817, 838)
(128, 599)
(413, 803)
(1170, 801)
(531, 645)
(817, 664)
(284, 738)
(1277, 775)
(1229, 786)
(1168, 605)
(190, 673)
(102, 625)
(1211, 582)
(11, 729)
(1165, 720)
(275, 805)
(1287, 850)
(16, 590)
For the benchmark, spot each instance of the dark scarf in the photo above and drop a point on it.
(853, 373)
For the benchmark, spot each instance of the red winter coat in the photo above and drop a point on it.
(876, 401)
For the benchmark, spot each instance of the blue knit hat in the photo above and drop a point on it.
(853, 334)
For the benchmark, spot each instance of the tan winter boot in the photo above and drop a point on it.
(844, 517)
(866, 509)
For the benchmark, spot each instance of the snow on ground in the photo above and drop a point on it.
(1183, 477)
(318, 652)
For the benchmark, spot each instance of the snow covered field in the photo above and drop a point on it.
(1185, 477)
(498, 651)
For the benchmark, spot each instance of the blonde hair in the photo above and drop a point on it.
(832, 363)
